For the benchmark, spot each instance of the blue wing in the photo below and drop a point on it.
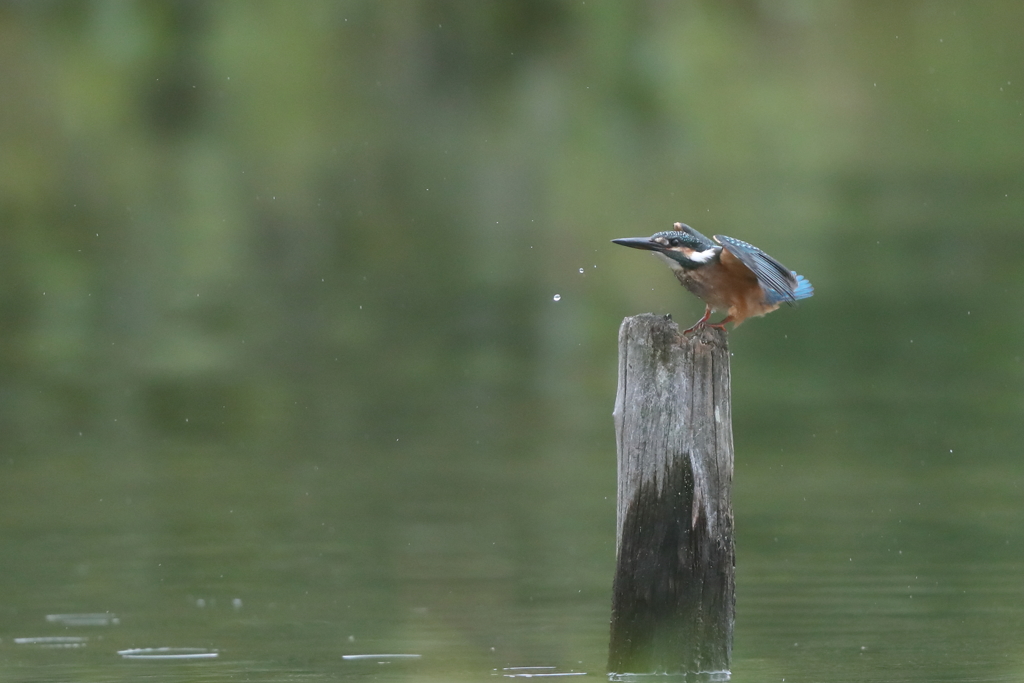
(780, 284)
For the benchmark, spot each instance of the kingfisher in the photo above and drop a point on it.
(726, 274)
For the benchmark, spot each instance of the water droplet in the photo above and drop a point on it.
(558, 297)
(581, 271)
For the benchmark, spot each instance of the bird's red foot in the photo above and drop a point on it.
(721, 323)
(700, 323)
(703, 322)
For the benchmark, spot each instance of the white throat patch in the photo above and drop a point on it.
(703, 256)
(695, 256)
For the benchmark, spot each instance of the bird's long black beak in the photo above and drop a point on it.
(640, 243)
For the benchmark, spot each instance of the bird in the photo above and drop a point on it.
(726, 274)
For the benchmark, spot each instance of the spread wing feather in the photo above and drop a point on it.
(779, 282)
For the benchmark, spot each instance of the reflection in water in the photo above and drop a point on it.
(698, 677)
(537, 671)
(53, 641)
(88, 619)
(168, 653)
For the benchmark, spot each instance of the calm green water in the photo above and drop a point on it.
(844, 572)
(308, 317)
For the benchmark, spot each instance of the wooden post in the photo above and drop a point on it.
(673, 597)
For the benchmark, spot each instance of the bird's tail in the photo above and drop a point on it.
(804, 289)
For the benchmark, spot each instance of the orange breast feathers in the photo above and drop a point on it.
(734, 287)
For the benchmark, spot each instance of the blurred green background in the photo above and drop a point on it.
(308, 320)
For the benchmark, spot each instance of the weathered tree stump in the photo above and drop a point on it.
(673, 604)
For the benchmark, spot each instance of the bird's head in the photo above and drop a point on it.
(682, 247)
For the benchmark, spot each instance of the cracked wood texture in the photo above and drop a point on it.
(673, 597)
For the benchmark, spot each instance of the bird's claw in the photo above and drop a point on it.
(702, 324)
